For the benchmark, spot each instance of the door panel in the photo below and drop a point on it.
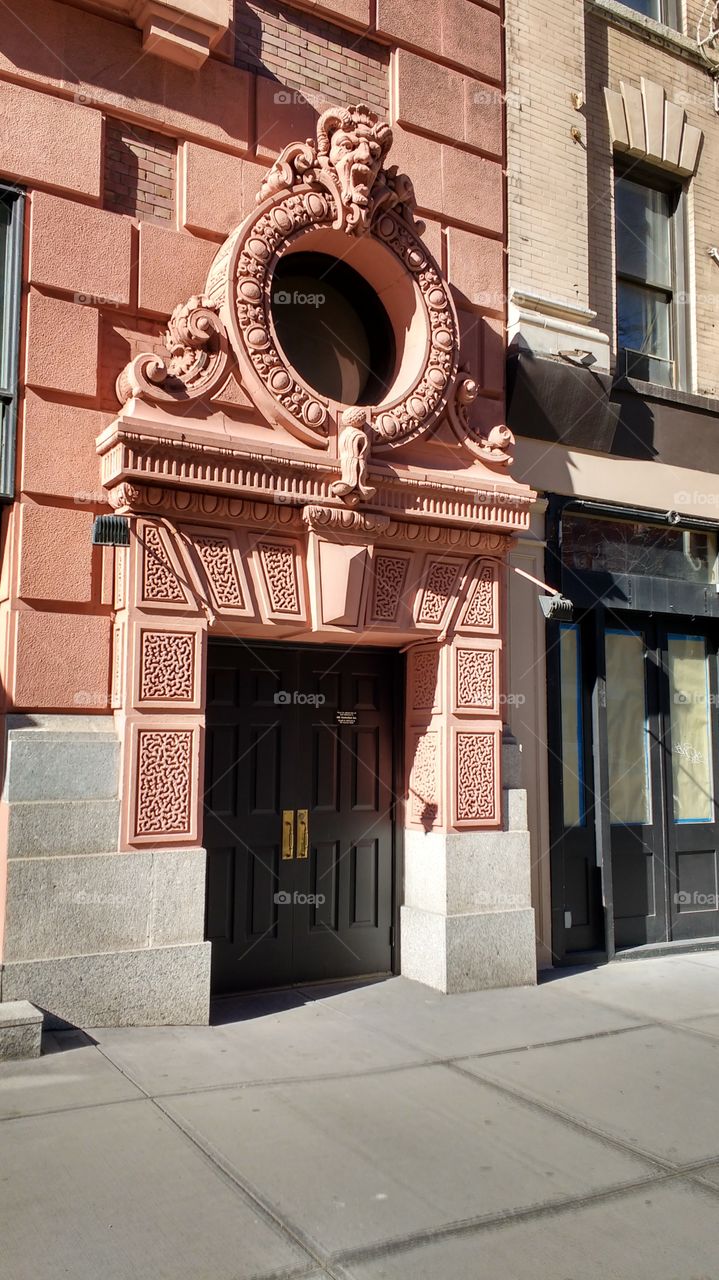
(691, 764)
(354, 811)
(249, 770)
(634, 687)
(655, 694)
(324, 747)
(577, 918)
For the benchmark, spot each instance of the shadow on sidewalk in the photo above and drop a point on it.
(263, 1004)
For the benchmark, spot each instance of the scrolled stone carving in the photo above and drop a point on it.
(196, 363)
(496, 446)
(398, 195)
(335, 183)
(124, 495)
(354, 447)
(351, 145)
(426, 402)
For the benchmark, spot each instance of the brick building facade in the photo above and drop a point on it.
(136, 140)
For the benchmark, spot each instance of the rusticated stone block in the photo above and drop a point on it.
(91, 903)
(62, 345)
(61, 757)
(20, 1030)
(219, 189)
(57, 828)
(173, 267)
(43, 676)
(58, 450)
(66, 574)
(100, 273)
(50, 141)
(154, 986)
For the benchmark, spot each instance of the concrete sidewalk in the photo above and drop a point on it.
(569, 1132)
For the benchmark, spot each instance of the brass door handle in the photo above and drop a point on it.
(303, 833)
(288, 834)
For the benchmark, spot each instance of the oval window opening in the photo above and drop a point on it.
(333, 328)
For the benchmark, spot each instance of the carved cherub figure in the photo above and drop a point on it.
(354, 453)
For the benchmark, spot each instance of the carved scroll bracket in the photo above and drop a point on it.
(196, 364)
(496, 446)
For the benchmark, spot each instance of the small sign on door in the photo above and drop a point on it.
(346, 717)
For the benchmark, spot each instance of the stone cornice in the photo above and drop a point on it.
(182, 31)
(136, 455)
(293, 521)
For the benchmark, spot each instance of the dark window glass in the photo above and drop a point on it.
(333, 328)
(4, 225)
(599, 544)
(646, 286)
(666, 11)
(643, 219)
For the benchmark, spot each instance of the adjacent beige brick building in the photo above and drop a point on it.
(559, 155)
(591, 86)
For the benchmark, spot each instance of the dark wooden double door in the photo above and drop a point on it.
(299, 814)
(636, 805)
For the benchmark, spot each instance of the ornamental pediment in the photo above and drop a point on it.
(332, 315)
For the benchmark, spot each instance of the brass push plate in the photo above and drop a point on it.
(288, 834)
(303, 833)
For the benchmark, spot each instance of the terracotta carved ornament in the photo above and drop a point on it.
(331, 194)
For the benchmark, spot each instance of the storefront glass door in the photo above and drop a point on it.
(641, 762)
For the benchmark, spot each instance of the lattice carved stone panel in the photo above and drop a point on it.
(425, 693)
(438, 590)
(159, 580)
(279, 570)
(164, 782)
(167, 666)
(215, 555)
(475, 674)
(424, 779)
(476, 776)
(390, 573)
(480, 612)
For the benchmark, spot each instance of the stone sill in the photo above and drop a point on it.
(620, 15)
(654, 391)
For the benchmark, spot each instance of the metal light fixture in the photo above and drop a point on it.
(554, 606)
(111, 531)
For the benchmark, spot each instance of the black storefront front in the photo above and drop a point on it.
(632, 678)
